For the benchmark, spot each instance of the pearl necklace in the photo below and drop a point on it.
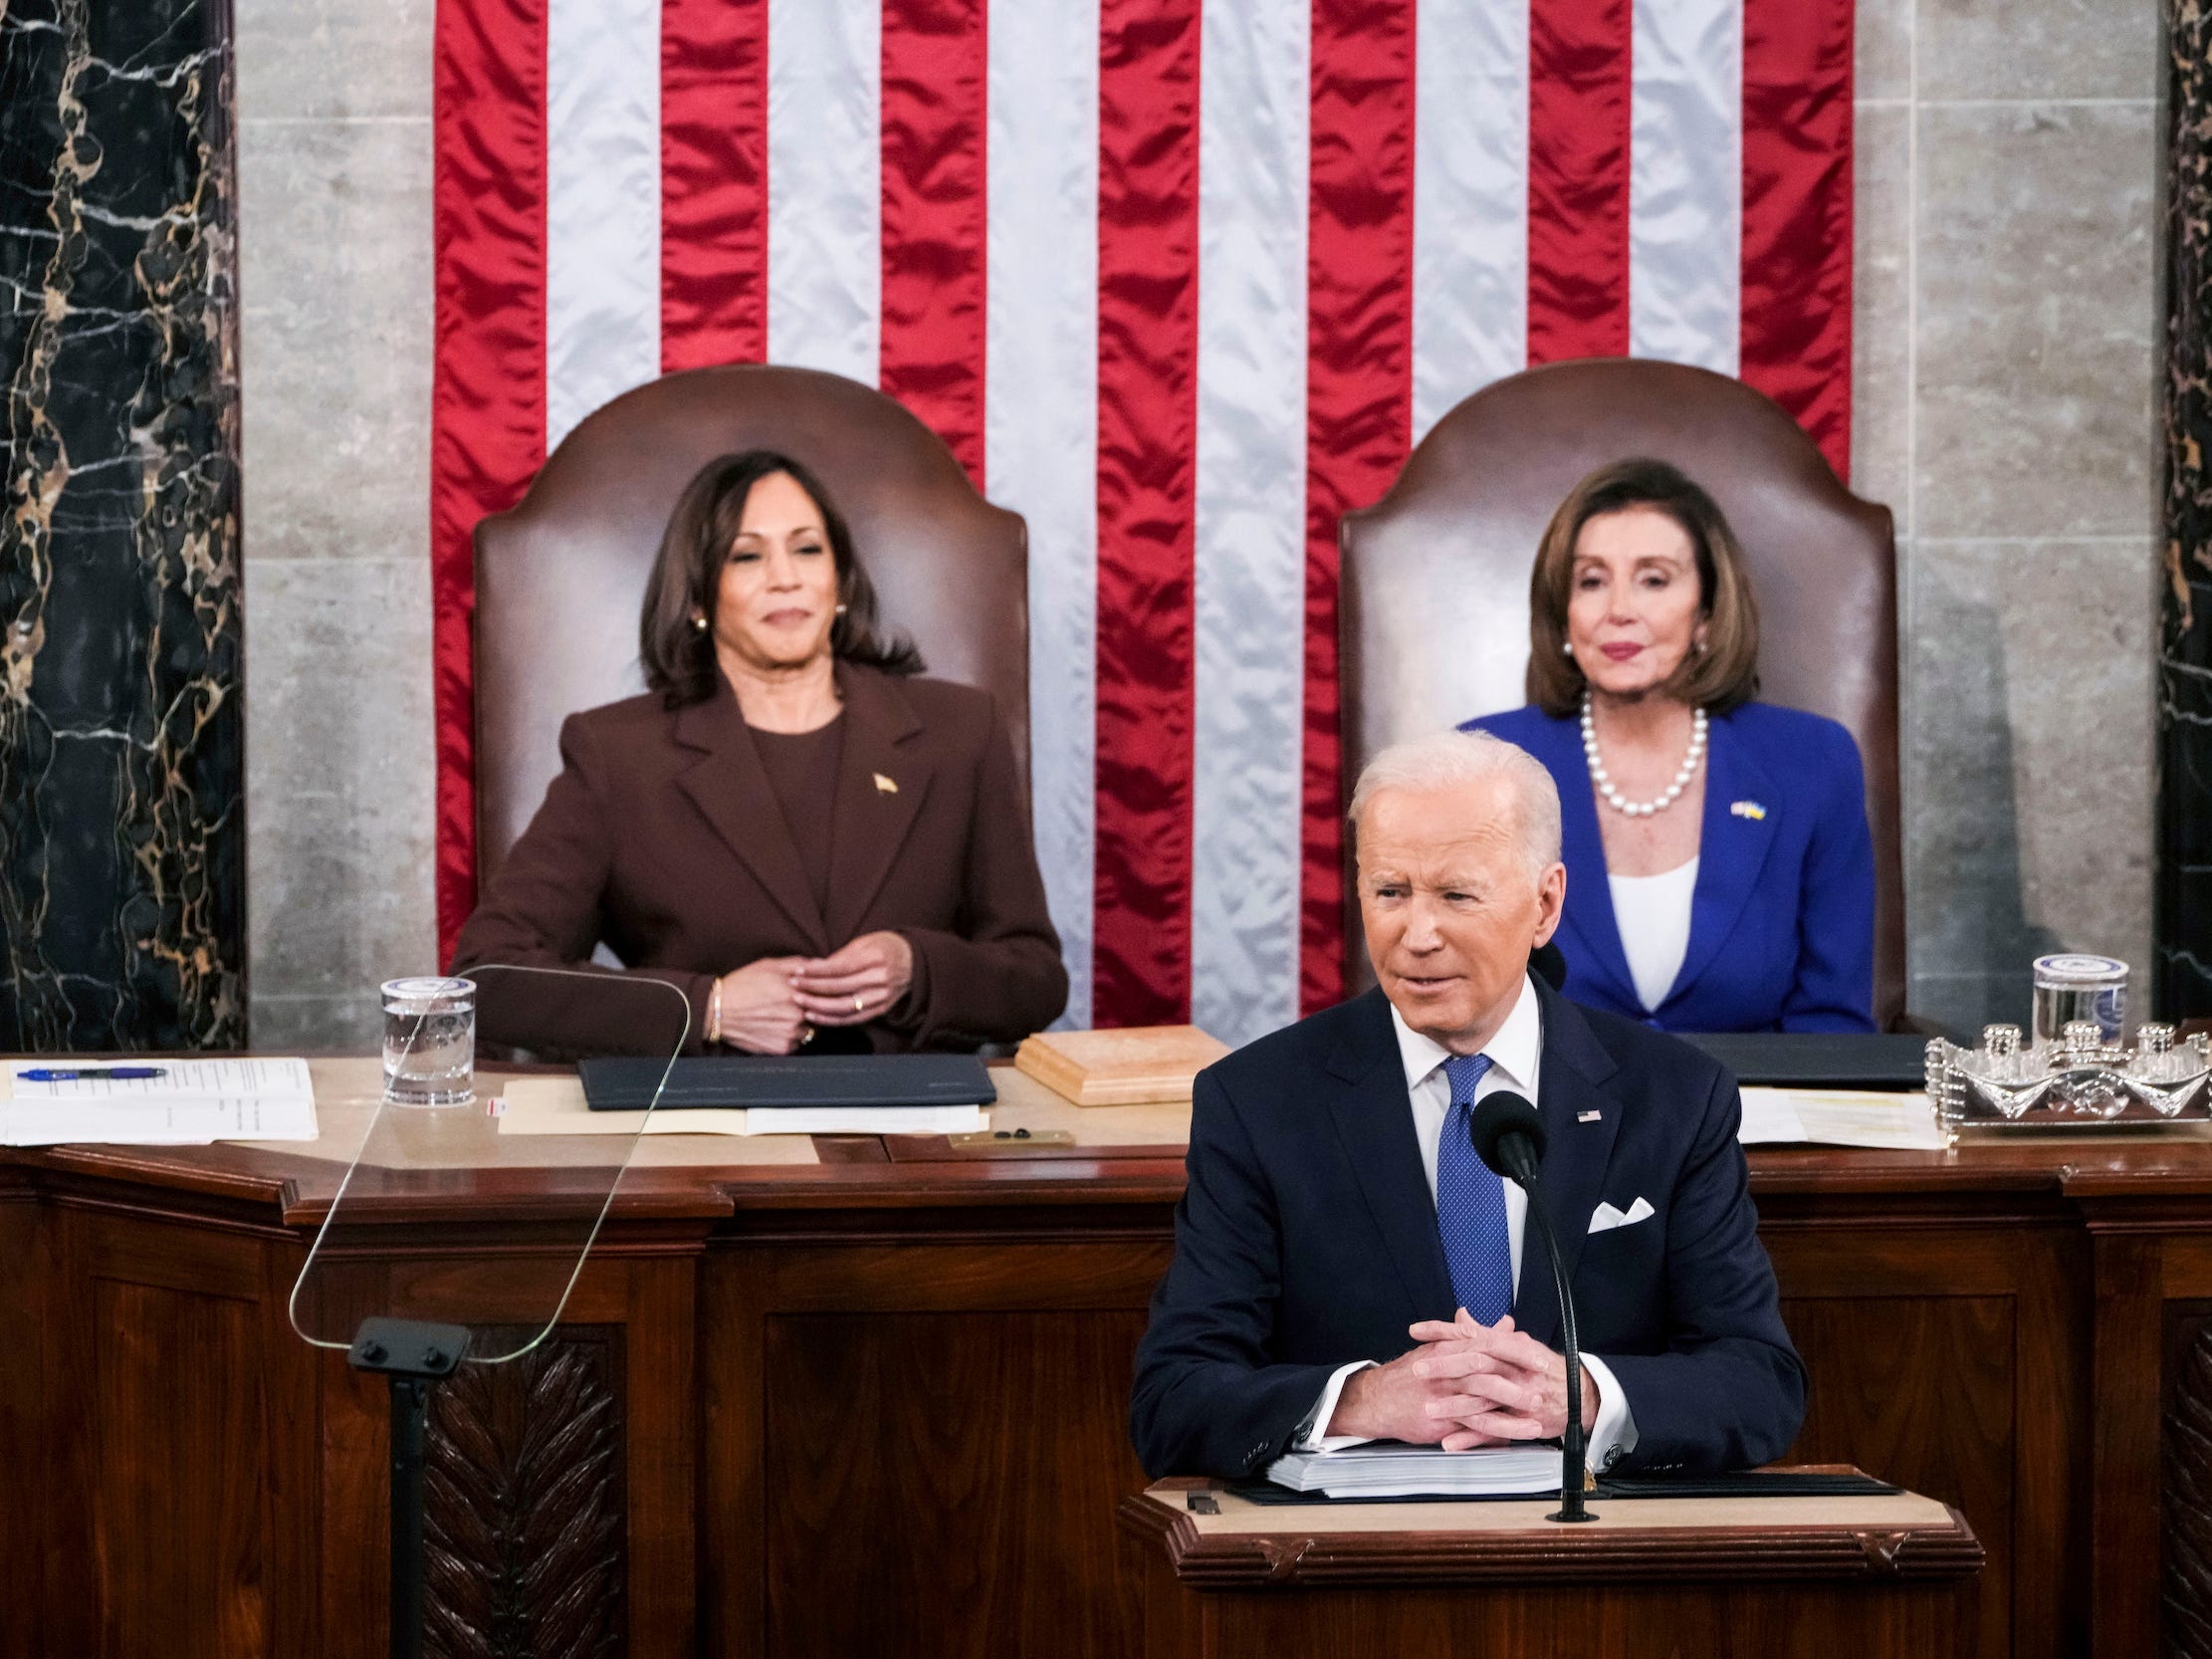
(1612, 795)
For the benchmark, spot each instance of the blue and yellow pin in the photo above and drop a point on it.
(1747, 809)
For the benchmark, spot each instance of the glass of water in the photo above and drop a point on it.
(2073, 987)
(430, 1042)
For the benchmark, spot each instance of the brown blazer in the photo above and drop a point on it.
(662, 839)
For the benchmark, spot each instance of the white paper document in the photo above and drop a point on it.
(1392, 1469)
(191, 1103)
(1840, 1117)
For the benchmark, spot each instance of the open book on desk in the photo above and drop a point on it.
(1392, 1469)
(192, 1102)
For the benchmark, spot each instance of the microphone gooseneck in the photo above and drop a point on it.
(1509, 1137)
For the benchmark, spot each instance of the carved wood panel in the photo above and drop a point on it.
(2185, 1482)
(526, 1502)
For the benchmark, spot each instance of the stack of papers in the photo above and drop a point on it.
(1392, 1469)
(1840, 1117)
(191, 1103)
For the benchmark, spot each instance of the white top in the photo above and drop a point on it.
(1516, 1055)
(1652, 914)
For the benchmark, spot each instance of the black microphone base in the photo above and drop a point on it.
(1577, 1513)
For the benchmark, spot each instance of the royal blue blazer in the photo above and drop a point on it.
(1782, 922)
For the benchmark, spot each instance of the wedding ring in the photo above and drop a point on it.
(805, 1036)
(859, 1002)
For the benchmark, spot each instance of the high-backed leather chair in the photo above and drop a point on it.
(560, 576)
(1434, 608)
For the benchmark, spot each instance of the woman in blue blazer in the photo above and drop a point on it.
(1720, 869)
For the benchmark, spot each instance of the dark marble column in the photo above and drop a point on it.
(2185, 888)
(122, 722)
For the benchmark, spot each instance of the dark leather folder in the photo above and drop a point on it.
(761, 1082)
(1819, 1059)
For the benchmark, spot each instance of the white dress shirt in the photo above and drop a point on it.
(1516, 1055)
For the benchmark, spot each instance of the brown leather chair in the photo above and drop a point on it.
(560, 576)
(1435, 610)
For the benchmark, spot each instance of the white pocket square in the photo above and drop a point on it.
(1604, 1216)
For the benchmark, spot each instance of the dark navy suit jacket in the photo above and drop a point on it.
(1782, 924)
(1307, 1238)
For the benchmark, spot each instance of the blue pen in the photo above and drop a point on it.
(51, 1074)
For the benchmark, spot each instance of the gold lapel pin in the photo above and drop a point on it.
(885, 785)
(1747, 809)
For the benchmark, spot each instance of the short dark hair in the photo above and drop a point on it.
(1726, 673)
(678, 656)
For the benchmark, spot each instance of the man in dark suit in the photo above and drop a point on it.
(1335, 1213)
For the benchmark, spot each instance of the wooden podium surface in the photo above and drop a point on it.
(868, 1395)
(1817, 1577)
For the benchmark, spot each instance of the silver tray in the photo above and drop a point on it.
(2083, 1083)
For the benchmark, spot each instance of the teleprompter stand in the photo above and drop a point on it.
(410, 1356)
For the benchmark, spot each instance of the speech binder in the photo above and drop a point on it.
(771, 1082)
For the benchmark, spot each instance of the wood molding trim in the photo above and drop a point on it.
(1612, 1555)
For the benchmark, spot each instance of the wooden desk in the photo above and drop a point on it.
(876, 1402)
(1778, 1576)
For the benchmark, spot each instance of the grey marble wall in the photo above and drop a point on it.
(333, 106)
(2006, 325)
(2006, 329)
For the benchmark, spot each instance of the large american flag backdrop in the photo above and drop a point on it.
(1180, 281)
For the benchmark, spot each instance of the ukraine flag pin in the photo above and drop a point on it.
(1747, 809)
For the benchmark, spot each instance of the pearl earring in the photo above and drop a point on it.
(699, 624)
(840, 610)
(1566, 647)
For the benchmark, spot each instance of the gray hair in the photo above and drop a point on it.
(1443, 759)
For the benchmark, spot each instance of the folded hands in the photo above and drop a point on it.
(772, 1006)
(1461, 1386)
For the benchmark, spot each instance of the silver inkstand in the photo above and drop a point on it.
(2078, 1072)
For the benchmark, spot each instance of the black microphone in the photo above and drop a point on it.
(1508, 1136)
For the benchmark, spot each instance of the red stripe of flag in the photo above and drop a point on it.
(488, 400)
(1796, 214)
(1579, 74)
(935, 233)
(1359, 389)
(1148, 237)
(714, 182)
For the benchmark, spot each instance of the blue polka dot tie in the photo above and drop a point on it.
(1470, 1204)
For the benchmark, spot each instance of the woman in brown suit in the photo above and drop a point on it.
(823, 849)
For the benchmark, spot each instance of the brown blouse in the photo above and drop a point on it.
(803, 773)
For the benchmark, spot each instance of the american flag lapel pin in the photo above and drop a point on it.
(1588, 1117)
(885, 785)
(1747, 809)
